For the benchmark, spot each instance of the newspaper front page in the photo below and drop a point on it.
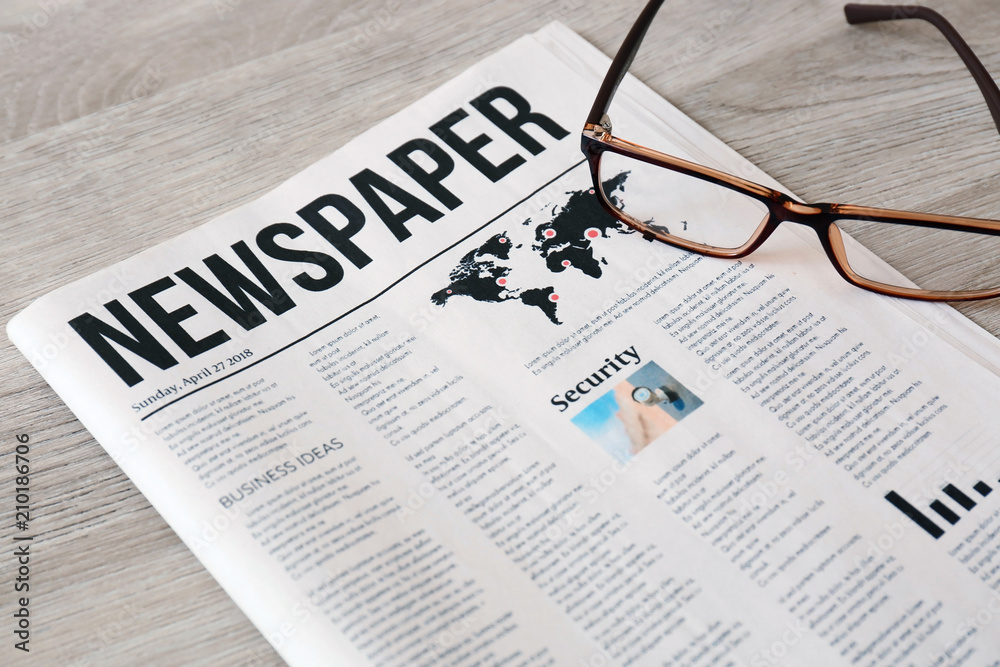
(427, 404)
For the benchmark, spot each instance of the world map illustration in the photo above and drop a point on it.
(563, 241)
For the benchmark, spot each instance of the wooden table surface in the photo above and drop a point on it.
(126, 123)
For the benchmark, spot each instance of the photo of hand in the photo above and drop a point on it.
(627, 419)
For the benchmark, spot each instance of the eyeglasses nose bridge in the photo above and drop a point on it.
(801, 209)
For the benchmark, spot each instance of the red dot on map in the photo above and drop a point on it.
(449, 291)
(501, 281)
(549, 233)
(503, 240)
(553, 297)
(592, 233)
(565, 262)
(591, 191)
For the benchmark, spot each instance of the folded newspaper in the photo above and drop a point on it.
(427, 404)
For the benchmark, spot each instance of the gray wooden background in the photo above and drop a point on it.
(124, 123)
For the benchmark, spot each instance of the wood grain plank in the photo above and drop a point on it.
(68, 59)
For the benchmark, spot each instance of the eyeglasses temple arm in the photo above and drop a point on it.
(623, 59)
(869, 13)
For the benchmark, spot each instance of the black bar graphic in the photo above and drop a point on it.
(945, 512)
(959, 497)
(983, 489)
(914, 514)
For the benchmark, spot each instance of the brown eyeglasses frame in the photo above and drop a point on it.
(597, 139)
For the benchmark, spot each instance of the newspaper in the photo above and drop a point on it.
(426, 404)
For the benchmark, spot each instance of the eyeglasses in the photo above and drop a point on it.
(707, 211)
